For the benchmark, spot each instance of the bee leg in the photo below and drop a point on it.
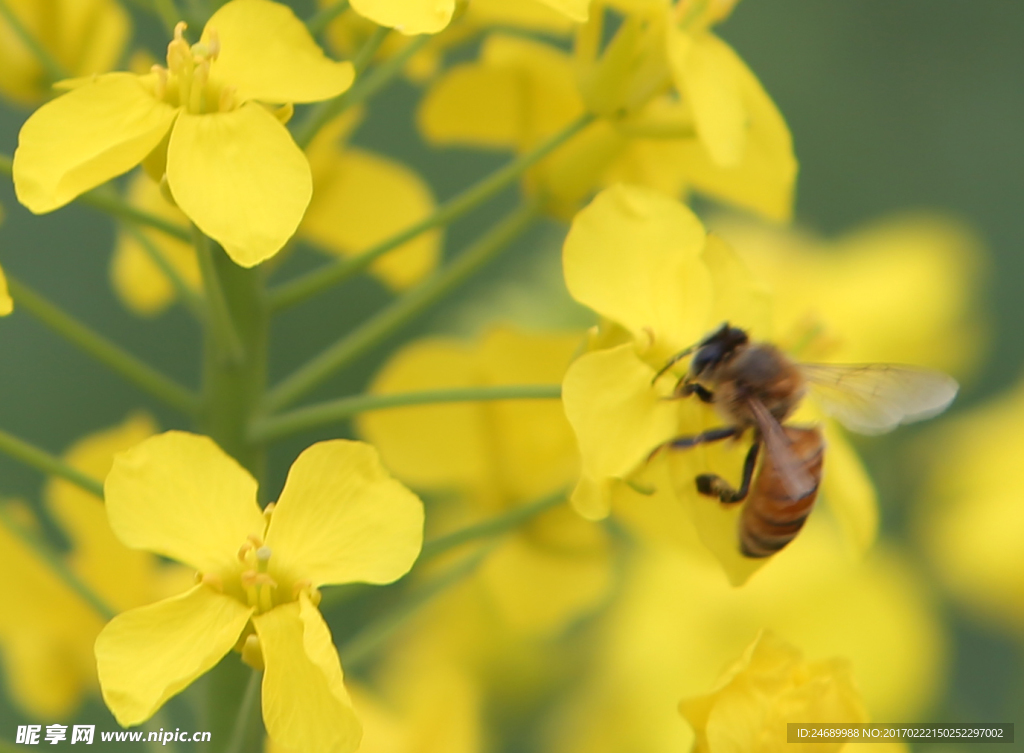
(715, 486)
(685, 389)
(685, 443)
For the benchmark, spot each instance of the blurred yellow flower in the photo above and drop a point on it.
(421, 709)
(431, 16)
(86, 37)
(359, 199)
(497, 455)
(770, 686)
(679, 623)
(136, 277)
(902, 289)
(230, 164)
(521, 92)
(47, 634)
(970, 514)
(340, 519)
(6, 304)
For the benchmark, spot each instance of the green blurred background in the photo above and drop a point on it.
(893, 105)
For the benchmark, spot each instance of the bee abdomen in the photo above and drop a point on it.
(772, 518)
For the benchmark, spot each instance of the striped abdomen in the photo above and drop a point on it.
(771, 518)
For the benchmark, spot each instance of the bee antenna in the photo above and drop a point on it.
(673, 361)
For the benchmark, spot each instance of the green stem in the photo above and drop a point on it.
(188, 296)
(57, 564)
(382, 325)
(310, 284)
(245, 734)
(107, 201)
(49, 464)
(104, 351)
(369, 49)
(275, 427)
(490, 528)
(54, 70)
(362, 89)
(232, 388)
(220, 321)
(319, 21)
(374, 635)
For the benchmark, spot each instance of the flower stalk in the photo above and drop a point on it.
(270, 428)
(128, 366)
(49, 464)
(304, 287)
(378, 328)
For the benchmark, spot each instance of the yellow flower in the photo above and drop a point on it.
(359, 199)
(521, 92)
(498, 455)
(902, 289)
(84, 36)
(431, 16)
(644, 263)
(340, 519)
(770, 686)
(47, 634)
(350, 31)
(970, 515)
(230, 164)
(679, 623)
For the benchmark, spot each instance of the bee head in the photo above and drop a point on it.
(717, 347)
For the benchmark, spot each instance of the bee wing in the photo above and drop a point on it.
(876, 398)
(797, 481)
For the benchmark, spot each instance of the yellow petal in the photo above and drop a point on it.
(149, 654)
(305, 705)
(181, 496)
(360, 199)
(764, 177)
(267, 53)
(342, 518)
(537, 589)
(240, 178)
(633, 255)
(520, 92)
(707, 73)
(136, 278)
(433, 446)
(408, 16)
(740, 298)
(847, 488)
(6, 304)
(616, 414)
(85, 138)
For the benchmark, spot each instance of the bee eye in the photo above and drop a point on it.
(704, 358)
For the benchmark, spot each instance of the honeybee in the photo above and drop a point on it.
(754, 386)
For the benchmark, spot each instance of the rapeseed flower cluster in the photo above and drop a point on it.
(551, 577)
